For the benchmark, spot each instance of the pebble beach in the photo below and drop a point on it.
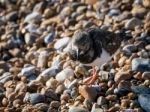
(37, 75)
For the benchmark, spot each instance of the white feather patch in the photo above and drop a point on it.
(105, 57)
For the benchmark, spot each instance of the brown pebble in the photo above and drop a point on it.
(111, 97)
(88, 92)
(5, 102)
(122, 76)
(55, 104)
(17, 103)
(11, 96)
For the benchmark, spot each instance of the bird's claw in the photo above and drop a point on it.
(93, 78)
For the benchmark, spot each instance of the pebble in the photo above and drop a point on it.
(88, 92)
(129, 48)
(33, 16)
(52, 83)
(140, 89)
(34, 98)
(123, 88)
(55, 104)
(49, 38)
(27, 71)
(30, 38)
(21, 87)
(48, 73)
(139, 11)
(31, 27)
(140, 64)
(12, 16)
(146, 75)
(42, 107)
(42, 59)
(132, 23)
(101, 100)
(60, 89)
(64, 74)
(95, 108)
(77, 109)
(61, 43)
(87, 103)
(122, 76)
(144, 101)
(5, 77)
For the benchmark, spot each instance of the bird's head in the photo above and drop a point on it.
(81, 43)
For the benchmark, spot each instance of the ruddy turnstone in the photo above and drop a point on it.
(94, 47)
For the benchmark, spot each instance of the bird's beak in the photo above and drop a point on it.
(77, 52)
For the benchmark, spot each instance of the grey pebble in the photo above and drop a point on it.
(77, 109)
(140, 64)
(144, 100)
(140, 89)
(27, 71)
(34, 98)
(48, 73)
(49, 38)
(5, 77)
(32, 16)
(132, 23)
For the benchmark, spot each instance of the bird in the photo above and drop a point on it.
(94, 47)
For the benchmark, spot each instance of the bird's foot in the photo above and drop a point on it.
(93, 78)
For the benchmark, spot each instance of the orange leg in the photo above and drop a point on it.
(93, 78)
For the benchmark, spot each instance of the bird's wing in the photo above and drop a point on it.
(97, 43)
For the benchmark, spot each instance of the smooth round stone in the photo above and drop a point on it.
(129, 48)
(140, 64)
(55, 104)
(27, 71)
(49, 38)
(21, 87)
(52, 83)
(123, 88)
(101, 100)
(42, 107)
(31, 27)
(140, 89)
(95, 108)
(104, 75)
(71, 84)
(66, 12)
(42, 59)
(144, 101)
(146, 75)
(60, 89)
(30, 38)
(114, 12)
(132, 23)
(33, 16)
(88, 92)
(64, 74)
(147, 47)
(138, 2)
(12, 16)
(139, 11)
(61, 43)
(87, 103)
(50, 72)
(122, 76)
(5, 77)
(77, 109)
(34, 98)
(74, 94)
